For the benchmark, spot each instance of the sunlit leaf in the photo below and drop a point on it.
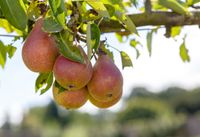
(126, 61)
(110, 9)
(14, 12)
(149, 42)
(8, 27)
(175, 6)
(119, 37)
(99, 7)
(184, 53)
(175, 31)
(43, 82)
(5, 24)
(191, 2)
(11, 50)
(134, 44)
(2, 54)
(33, 11)
(126, 21)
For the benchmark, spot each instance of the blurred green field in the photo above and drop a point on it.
(174, 112)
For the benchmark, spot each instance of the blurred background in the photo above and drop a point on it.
(160, 98)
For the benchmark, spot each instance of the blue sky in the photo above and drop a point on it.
(163, 69)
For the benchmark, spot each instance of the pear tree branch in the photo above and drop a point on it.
(158, 18)
(154, 18)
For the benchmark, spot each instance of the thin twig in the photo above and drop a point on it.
(6, 35)
(100, 21)
(114, 48)
(195, 7)
(147, 29)
(81, 38)
(148, 6)
(94, 55)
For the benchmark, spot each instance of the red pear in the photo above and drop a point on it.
(107, 81)
(72, 75)
(106, 104)
(39, 51)
(70, 99)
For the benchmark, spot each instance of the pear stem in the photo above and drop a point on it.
(93, 55)
(114, 48)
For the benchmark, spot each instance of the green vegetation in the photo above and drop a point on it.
(168, 113)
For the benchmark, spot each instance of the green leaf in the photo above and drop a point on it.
(174, 6)
(33, 10)
(43, 82)
(191, 2)
(89, 40)
(14, 12)
(58, 10)
(93, 37)
(108, 52)
(66, 48)
(110, 9)
(99, 7)
(60, 88)
(126, 61)
(51, 25)
(94, 33)
(126, 21)
(134, 44)
(175, 31)
(2, 54)
(149, 42)
(11, 50)
(6, 25)
(184, 53)
(54, 4)
(119, 37)
(16, 38)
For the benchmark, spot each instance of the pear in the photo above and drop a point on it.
(70, 99)
(107, 81)
(72, 75)
(39, 51)
(107, 104)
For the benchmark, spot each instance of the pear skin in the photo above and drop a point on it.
(39, 51)
(106, 104)
(72, 75)
(70, 99)
(107, 81)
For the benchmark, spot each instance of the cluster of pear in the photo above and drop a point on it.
(101, 84)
